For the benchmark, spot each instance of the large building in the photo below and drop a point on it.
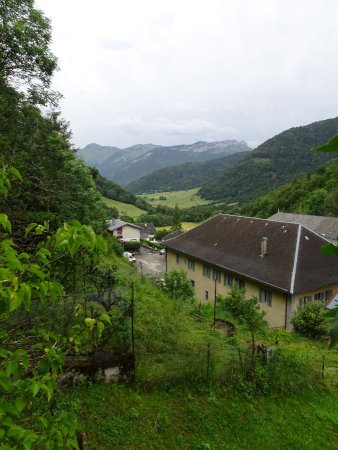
(279, 262)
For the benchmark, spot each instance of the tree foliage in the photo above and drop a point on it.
(312, 194)
(25, 57)
(311, 320)
(184, 176)
(178, 285)
(32, 344)
(277, 161)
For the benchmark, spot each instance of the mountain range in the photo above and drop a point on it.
(126, 165)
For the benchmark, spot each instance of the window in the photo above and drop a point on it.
(304, 300)
(216, 275)
(265, 297)
(322, 296)
(119, 232)
(240, 283)
(192, 284)
(177, 258)
(191, 264)
(206, 271)
(228, 280)
(206, 294)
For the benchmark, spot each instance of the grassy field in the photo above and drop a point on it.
(124, 208)
(130, 419)
(183, 199)
(185, 225)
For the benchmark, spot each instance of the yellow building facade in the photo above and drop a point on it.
(209, 281)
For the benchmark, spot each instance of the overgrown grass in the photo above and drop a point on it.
(183, 199)
(187, 398)
(124, 209)
(124, 418)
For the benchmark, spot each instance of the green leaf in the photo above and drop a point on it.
(15, 300)
(12, 368)
(331, 146)
(13, 171)
(35, 387)
(4, 221)
(105, 318)
(30, 227)
(100, 327)
(89, 323)
(20, 403)
(4, 353)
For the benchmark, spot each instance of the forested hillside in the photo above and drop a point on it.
(313, 194)
(184, 176)
(275, 162)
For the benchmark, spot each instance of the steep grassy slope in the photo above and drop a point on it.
(184, 176)
(275, 162)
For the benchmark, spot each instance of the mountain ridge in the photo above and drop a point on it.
(126, 165)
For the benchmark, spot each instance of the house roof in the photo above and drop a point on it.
(325, 226)
(117, 223)
(147, 228)
(293, 262)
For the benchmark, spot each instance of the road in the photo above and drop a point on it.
(148, 263)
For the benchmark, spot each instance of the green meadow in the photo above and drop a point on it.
(183, 199)
(124, 208)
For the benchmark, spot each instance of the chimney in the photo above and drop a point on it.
(264, 246)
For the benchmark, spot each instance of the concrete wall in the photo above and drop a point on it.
(275, 314)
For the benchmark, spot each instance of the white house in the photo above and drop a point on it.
(123, 230)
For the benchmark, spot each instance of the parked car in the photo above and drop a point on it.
(129, 256)
(162, 251)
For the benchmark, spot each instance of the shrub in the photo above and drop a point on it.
(311, 320)
(132, 246)
(178, 285)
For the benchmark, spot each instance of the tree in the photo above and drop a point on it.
(245, 311)
(32, 344)
(176, 219)
(25, 58)
(331, 249)
(178, 285)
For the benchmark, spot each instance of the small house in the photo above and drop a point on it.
(124, 231)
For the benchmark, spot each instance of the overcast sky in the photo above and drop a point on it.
(179, 71)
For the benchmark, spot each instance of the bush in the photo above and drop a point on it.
(311, 320)
(178, 285)
(132, 246)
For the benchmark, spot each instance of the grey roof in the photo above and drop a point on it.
(325, 226)
(147, 228)
(293, 263)
(117, 223)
